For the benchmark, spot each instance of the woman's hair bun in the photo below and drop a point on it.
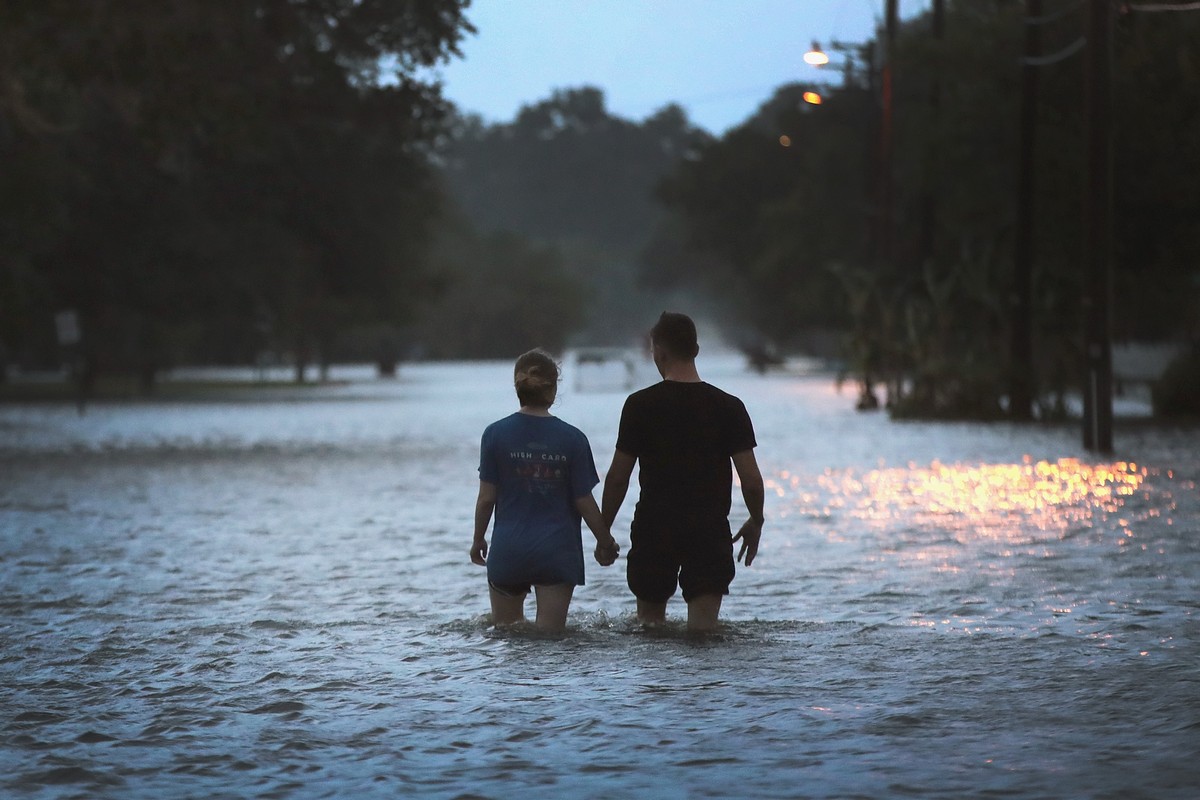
(532, 378)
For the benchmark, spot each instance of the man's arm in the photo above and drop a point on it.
(753, 494)
(485, 504)
(616, 484)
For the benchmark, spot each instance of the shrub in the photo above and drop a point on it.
(1177, 392)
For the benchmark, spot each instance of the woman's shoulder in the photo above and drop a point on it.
(566, 429)
(565, 426)
(500, 424)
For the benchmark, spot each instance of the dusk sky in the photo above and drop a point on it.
(719, 59)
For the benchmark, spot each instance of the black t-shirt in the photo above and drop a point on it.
(683, 435)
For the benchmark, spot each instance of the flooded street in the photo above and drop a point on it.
(270, 596)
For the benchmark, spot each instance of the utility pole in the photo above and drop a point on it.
(933, 176)
(886, 179)
(1020, 387)
(1097, 235)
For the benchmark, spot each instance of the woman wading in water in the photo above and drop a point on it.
(536, 473)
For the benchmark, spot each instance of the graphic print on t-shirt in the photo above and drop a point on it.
(541, 470)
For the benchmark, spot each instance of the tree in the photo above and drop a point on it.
(768, 224)
(260, 159)
(761, 213)
(565, 169)
(500, 295)
(568, 173)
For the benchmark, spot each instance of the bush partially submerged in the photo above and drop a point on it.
(1177, 392)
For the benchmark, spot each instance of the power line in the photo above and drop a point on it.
(1153, 7)
(1054, 17)
(1062, 55)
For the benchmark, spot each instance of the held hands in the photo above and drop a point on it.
(479, 552)
(750, 533)
(607, 552)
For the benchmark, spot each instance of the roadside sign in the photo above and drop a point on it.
(67, 325)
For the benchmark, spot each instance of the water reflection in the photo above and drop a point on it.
(972, 500)
(214, 599)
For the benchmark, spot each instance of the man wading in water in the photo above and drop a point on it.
(684, 433)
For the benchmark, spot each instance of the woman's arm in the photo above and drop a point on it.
(606, 546)
(485, 504)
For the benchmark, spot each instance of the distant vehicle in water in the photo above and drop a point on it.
(605, 367)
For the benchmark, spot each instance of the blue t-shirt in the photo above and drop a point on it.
(540, 466)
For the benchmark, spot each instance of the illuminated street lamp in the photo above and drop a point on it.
(812, 98)
(816, 56)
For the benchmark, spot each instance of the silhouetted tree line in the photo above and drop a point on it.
(212, 182)
(578, 182)
(210, 179)
(784, 215)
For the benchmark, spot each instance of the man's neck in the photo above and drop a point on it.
(681, 372)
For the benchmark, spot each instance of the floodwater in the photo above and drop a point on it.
(270, 596)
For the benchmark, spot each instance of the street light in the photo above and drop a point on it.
(816, 56)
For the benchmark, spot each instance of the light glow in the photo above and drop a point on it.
(976, 501)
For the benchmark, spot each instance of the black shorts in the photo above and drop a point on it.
(662, 558)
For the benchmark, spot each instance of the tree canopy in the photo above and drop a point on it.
(787, 214)
(569, 174)
(208, 180)
(252, 169)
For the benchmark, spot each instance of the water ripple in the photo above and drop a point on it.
(204, 603)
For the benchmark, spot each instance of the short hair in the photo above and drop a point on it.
(676, 333)
(535, 377)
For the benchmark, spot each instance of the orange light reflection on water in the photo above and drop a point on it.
(988, 500)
